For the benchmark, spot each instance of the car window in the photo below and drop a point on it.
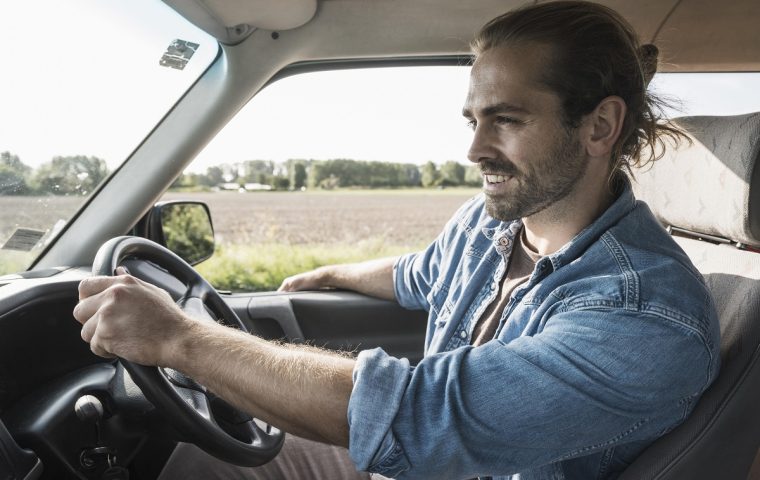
(81, 87)
(333, 166)
(717, 93)
(348, 165)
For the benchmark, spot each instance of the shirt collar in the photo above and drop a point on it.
(573, 249)
(502, 235)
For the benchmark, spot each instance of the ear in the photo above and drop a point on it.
(603, 126)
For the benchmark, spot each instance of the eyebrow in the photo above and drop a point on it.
(495, 109)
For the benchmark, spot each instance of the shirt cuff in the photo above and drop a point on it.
(402, 282)
(379, 384)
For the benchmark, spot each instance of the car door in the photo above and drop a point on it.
(339, 320)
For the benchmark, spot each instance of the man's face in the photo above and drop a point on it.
(528, 157)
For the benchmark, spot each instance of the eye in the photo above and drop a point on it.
(504, 120)
(471, 124)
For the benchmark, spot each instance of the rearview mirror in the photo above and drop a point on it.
(184, 228)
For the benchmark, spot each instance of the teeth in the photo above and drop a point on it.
(495, 178)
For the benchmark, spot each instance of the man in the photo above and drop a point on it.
(567, 331)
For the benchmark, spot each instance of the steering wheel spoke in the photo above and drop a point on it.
(198, 401)
(195, 308)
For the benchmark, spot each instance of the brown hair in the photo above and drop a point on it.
(595, 53)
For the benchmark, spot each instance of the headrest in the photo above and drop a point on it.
(711, 186)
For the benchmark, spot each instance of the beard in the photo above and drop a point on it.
(547, 179)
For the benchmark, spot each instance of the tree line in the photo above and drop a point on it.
(80, 175)
(295, 174)
(72, 175)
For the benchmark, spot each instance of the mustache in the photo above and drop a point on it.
(500, 167)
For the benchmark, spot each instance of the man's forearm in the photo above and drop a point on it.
(302, 390)
(373, 277)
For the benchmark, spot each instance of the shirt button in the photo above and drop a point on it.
(463, 334)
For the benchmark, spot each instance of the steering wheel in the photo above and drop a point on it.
(196, 413)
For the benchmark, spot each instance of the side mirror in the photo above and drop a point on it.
(185, 228)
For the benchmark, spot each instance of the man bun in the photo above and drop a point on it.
(648, 54)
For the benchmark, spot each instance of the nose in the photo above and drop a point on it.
(481, 147)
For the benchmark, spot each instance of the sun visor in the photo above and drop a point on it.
(231, 21)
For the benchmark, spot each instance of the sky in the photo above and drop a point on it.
(86, 80)
(408, 115)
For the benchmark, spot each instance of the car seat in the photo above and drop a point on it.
(708, 196)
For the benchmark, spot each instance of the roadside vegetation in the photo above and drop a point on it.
(263, 267)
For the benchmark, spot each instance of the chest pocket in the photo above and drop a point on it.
(440, 304)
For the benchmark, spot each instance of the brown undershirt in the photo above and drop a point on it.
(521, 264)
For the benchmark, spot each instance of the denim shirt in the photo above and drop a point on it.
(605, 348)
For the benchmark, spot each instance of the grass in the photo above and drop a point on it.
(263, 267)
(13, 261)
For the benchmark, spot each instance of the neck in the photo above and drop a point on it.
(550, 229)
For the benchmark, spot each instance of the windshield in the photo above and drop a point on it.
(83, 83)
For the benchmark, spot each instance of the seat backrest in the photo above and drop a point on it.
(712, 189)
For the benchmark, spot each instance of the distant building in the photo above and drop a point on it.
(248, 187)
(253, 187)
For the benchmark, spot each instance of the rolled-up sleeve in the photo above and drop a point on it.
(379, 381)
(412, 277)
(590, 380)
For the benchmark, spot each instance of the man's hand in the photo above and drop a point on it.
(313, 280)
(126, 317)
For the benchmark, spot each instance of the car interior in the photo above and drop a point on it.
(67, 413)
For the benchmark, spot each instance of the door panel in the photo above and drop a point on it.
(336, 320)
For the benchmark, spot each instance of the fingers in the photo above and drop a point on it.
(92, 293)
(86, 308)
(89, 327)
(287, 285)
(98, 349)
(91, 335)
(93, 285)
(296, 283)
(312, 280)
(122, 271)
(86, 312)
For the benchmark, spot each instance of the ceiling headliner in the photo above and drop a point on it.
(693, 35)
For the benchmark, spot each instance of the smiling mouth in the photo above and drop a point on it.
(496, 178)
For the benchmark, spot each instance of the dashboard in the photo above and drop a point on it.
(65, 412)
